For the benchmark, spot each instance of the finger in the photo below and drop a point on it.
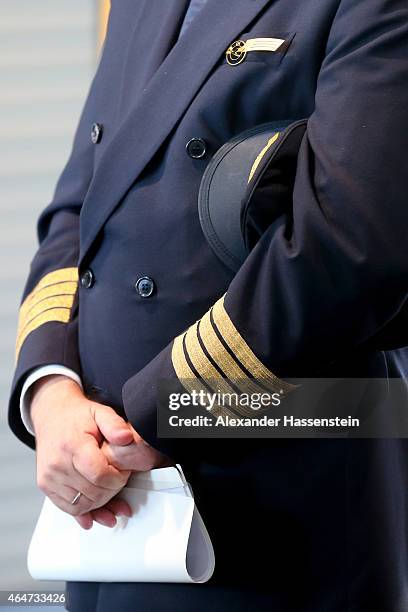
(68, 493)
(92, 464)
(112, 426)
(106, 448)
(135, 457)
(80, 483)
(121, 457)
(84, 503)
(69, 481)
(104, 517)
(119, 507)
(85, 520)
(102, 499)
(82, 506)
(107, 515)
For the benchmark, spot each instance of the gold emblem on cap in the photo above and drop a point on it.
(236, 52)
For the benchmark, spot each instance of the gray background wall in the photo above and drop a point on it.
(47, 59)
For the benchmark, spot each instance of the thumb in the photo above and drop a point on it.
(113, 428)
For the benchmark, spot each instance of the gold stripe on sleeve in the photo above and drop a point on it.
(58, 301)
(188, 378)
(202, 364)
(56, 276)
(51, 300)
(243, 352)
(224, 360)
(180, 365)
(212, 351)
(62, 288)
(61, 315)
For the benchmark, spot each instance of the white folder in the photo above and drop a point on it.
(165, 540)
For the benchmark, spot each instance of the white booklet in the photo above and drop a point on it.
(165, 540)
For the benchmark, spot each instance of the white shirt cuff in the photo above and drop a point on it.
(25, 397)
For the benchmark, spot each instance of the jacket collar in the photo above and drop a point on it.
(161, 104)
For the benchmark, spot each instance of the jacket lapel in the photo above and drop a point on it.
(161, 104)
(156, 32)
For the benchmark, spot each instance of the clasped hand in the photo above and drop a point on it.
(85, 446)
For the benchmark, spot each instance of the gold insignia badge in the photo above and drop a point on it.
(236, 52)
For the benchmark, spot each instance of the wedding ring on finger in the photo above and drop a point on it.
(76, 498)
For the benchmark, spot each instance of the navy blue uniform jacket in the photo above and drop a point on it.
(323, 525)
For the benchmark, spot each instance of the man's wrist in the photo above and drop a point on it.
(26, 392)
(48, 390)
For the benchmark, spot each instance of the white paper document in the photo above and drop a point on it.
(165, 540)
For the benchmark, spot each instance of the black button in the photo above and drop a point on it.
(87, 279)
(196, 148)
(145, 286)
(96, 133)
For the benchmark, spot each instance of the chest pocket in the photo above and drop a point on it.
(261, 46)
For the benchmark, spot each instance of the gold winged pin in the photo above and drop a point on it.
(236, 52)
